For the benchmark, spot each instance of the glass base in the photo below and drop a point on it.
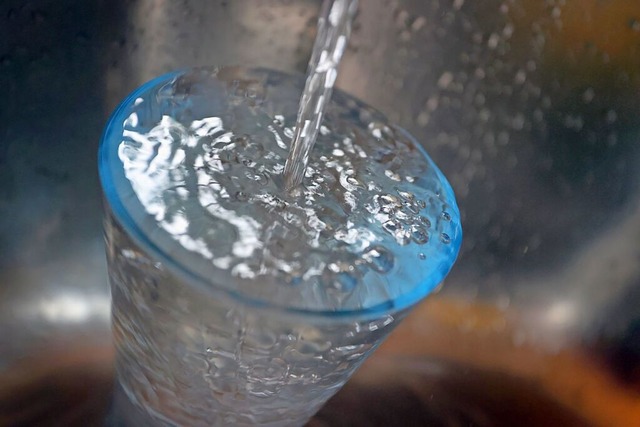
(124, 413)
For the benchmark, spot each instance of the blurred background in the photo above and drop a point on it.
(531, 108)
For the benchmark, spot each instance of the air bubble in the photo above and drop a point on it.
(391, 226)
(248, 163)
(340, 277)
(403, 217)
(390, 199)
(278, 119)
(348, 181)
(241, 196)
(354, 182)
(392, 175)
(444, 238)
(403, 237)
(410, 197)
(379, 258)
(240, 140)
(446, 216)
(254, 150)
(424, 221)
(412, 207)
(419, 234)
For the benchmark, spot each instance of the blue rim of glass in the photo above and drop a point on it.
(119, 211)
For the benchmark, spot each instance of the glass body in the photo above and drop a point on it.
(185, 357)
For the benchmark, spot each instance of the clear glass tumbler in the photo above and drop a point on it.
(192, 347)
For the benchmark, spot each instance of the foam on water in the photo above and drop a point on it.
(198, 170)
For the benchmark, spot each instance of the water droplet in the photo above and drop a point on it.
(493, 41)
(446, 216)
(422, 256)
(445, 80)
(588, 95)
(418, 23)
(380, 259)
(444, 238)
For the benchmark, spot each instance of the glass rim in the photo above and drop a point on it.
(210, 286)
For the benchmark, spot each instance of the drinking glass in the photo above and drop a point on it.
(193, 348)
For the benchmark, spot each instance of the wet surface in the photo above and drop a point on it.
(530, 108)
